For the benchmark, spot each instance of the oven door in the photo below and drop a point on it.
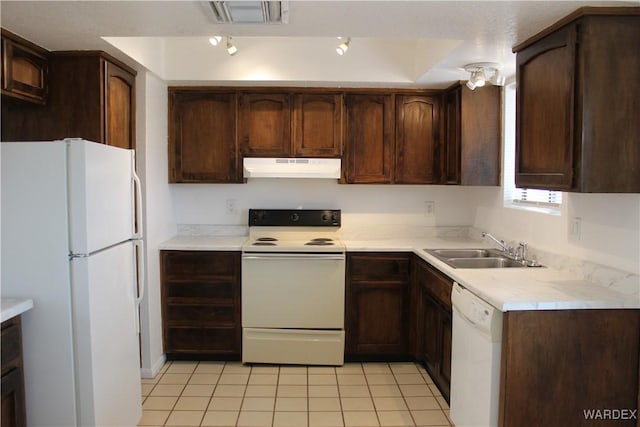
(293, 290)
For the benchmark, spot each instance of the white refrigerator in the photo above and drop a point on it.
(71, 241)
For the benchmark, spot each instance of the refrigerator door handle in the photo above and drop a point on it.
(139, 272)
(137, 194)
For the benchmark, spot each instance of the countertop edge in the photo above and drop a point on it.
(12, 307)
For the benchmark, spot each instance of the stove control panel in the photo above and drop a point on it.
(294, 217)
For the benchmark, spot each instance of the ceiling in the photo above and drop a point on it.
(394, 43)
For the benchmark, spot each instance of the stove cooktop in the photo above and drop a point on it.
(295, 230)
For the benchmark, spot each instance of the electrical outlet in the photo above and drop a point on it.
(231, 207)
(429, 209)
(575, 228)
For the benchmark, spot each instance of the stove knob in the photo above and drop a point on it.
(258, 216)
(326, 217)
(295, 217)
(335, 217)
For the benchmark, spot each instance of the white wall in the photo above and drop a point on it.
(160, 224)
(609, 235)
(360, 204)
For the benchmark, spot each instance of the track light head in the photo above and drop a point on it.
(231, 48)
(215, 40)
(343, 47)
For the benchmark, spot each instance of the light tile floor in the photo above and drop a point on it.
(234, 395)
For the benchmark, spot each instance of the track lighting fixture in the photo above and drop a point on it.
(343, 47)
(482, 73)
(215, 40)
(231, 48)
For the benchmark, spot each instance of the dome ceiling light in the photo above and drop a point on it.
(482, 73)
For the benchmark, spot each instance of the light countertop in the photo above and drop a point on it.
(508, 289)
(12, 307)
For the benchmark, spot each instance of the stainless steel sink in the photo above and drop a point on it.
(475, 258)
(494, 262)
(464, 253)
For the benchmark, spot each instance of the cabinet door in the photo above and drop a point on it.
(377, 305)
(24, 70)
(452, 129)
(317, 125)
(431, 327)
(369, 139)
(445, 351)
(582, 360)
(417, 139)
(545, 112)
(119, 107)
(202, 137)
(433, 323)
(13, 397)
(472, 135)
(265, 125)
(13, 405)
(378, 318)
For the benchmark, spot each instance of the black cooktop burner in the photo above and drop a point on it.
(266, 239)
(322, 239)
(318, 242)
(263, 243)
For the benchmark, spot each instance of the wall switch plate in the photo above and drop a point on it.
(575, 228)
(231, 207)
(429, 208)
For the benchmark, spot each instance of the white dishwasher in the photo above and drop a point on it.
(475, 360)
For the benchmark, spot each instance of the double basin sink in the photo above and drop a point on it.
(476, 258)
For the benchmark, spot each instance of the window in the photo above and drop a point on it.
(521, 198)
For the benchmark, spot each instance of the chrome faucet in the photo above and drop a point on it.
(502, 244)
(521, 252)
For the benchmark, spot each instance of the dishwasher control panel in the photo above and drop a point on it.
(485, 317)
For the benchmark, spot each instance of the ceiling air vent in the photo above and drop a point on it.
(250, 12)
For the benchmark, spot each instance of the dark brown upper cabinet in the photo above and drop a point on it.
(417, 139)
(578, 103)
(202, 137)
(24, 69)
(265, 124)
(473, 136)
(369, 139)
(317, 125)
(91, 96)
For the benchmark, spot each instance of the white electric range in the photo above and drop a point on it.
(293, 286)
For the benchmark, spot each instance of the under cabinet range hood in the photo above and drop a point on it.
(260, 167)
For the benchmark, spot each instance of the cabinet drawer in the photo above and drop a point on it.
(440, 288)
(198, 313)
(198, 264)
(194, 340)
(11, 345)
(205, 292)
(392, 266)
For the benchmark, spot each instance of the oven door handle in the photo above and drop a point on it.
(300, 257)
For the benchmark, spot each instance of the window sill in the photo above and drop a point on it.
(548, 210)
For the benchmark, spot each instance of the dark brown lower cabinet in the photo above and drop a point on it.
(570, 368)
(377, 306)
(13, 413)
(432, 295)
(201, 304)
